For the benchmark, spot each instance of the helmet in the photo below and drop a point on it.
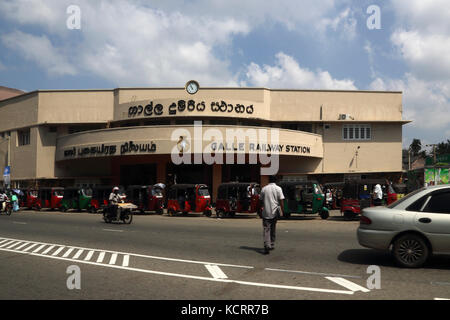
(115, 189)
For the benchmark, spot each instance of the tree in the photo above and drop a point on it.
(415, 146)
(443, 147)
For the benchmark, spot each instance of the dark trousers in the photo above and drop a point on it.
(269, 229)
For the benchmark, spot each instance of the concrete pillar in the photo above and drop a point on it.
(216, 180)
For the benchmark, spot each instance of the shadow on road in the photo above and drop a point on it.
(258, 250)
(385, 259)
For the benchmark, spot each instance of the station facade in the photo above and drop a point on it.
(128, 136)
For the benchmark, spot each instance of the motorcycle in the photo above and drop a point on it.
(8, 207)
(126, 213)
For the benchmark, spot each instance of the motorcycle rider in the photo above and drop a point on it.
(114, 199)
(3, 199)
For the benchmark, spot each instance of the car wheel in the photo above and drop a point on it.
(348, 215)
(410, 251)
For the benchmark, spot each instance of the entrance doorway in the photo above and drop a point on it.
(138, 174)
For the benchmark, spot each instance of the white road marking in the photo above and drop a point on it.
(17, 222)
(39, 248)
(314, 273)
(22, 245)
(30, 247)
(348, 284)
(149, 257)
(3, 241)
(126, 260)
(65, 255)
(78, 254)
(216, 272)
(58, 251)
(112, 230)
(179, 275)
(101, 256)
(89, 255)
(13, 245)
(6, 244)
(48, 250)
(113, 258)
(441, 299)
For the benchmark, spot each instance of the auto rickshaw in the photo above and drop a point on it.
(358, 194)
(187, 198)
(28, 199)
(100, 198)
(147, 198)
(400, 189)
(303, 197)
(76, 198)
(49, 198)
(236, 197)
(336, 190)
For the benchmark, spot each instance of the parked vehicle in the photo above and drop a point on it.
(234, 197)
(412, 228)
(337, 192)
(28, 199)
(76, 198)
(49, 198)
(126, 213)
(147, 198)
(100, 196)
(358, 194)
(8, 207)
(304, 198)
(186, 198)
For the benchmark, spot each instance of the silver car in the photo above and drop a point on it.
(413, 227)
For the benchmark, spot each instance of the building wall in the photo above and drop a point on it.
(19, 112)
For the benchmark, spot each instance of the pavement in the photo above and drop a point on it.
(198, 258)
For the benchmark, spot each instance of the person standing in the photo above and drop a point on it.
(272, 209)
(377, 195)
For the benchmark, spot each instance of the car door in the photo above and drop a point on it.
(433, 219)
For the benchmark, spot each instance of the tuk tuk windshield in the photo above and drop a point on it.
(87, 192)
(203, 192)
(156, 192)
(33, 193)
(58, 193)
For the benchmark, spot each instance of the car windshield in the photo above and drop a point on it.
(396, 203)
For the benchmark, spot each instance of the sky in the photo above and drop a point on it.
(292, 44)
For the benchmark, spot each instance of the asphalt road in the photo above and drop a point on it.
(194, 257)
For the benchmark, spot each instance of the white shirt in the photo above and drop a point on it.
(378, 192)
(271, 195)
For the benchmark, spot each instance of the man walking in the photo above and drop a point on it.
(272, 209)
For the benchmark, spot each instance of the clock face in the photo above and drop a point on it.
(192, 87)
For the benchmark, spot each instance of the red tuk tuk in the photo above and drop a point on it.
(100, 196)
(28, 199)
(49, 198)
(233, 197)
(187, 198)
(147, 198)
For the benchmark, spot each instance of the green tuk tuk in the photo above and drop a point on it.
(304, 198)
(76, 198)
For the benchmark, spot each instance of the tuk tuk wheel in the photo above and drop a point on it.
(231, 214)
(170, 212)
(63, 209)
(286, 215)
(324, 214)
(220, 213)
(37, 208)
(92, 210)
(207, 213)
(159, 211)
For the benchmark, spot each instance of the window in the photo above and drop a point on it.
(52, 129)
(23, 137)
(356, 132)
(439, 203)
